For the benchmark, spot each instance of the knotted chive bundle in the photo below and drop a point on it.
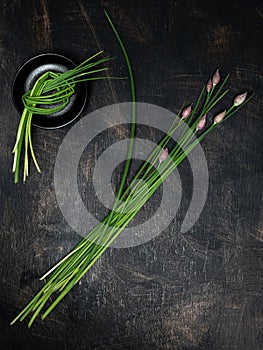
(50, 94)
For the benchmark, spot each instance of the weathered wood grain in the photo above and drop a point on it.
(196, 291)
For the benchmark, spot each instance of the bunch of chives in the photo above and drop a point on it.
(153, 172)
(50, 94)
(159, 165)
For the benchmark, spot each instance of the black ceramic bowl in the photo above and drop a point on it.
(26, 78)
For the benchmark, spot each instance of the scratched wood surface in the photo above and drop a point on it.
(198, 290)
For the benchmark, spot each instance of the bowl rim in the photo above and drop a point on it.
(47, 54)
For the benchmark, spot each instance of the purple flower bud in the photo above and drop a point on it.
(163, 155)
(201, 123)
(219, 117)
(216, 78)
(209, 85)
(239, 99)
(186, 112)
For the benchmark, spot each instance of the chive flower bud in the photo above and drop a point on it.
(218, 119)
(163, 155)
(209, 85)
(186, 112)
(201, 123)
(239, 99)
(216, 78)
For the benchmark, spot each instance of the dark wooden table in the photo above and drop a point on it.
(198, 290)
